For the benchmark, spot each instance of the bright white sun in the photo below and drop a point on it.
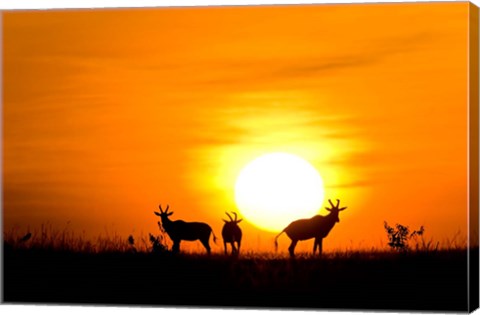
(276, 189)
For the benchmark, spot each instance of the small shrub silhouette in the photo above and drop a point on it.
(400, 235)
(131, 242)
(157, 245)
(158, 242)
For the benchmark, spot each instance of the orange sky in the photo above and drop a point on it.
(108, 113)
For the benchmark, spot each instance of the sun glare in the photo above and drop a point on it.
(277, 188)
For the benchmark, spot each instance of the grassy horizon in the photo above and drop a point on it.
(62, 267)
(48, 238)
(375, 280)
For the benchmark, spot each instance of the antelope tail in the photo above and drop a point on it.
(276, 237)
(214, 238)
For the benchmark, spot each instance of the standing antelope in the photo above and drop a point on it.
(316, 227)
(188, 231)
(231, 233)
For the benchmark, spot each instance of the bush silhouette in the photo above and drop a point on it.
(399, 236)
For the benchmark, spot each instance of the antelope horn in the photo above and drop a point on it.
(338, 203)
(331, 203)
(160, 207)
(166, 210)
(231, 220)
(235, 216)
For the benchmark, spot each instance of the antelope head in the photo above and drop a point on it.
(232, 221)
(163, 214)
(335, 209)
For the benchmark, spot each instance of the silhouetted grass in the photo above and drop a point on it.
(65, 268)
(47, 238)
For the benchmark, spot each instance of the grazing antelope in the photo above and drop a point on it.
(231, 233)
(187, 231)
(316, 227)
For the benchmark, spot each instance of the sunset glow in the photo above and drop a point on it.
(109, 113)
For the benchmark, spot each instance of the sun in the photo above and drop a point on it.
(278, 188)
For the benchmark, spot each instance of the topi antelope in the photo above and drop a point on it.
(187, 231)
(316, 227)
(231, 233)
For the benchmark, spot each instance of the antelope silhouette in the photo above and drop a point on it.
(185, 231)
(316, 227)
(232, 233)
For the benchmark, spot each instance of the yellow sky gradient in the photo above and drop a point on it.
(108, 113)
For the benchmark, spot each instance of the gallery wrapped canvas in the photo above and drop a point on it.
(282, 157)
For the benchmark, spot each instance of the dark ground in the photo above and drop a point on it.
(376, 281)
